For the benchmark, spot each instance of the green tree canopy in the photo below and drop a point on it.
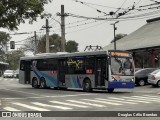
(14, 12)
(55, 44)
(71, 46)
(13, 58)
(4, 38)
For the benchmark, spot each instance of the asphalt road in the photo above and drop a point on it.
(18, 97)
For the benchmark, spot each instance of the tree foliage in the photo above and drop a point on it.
(4, 38)
(13, 58)
(71, 46)
(55, 44)
(118, 37)
(14, 12)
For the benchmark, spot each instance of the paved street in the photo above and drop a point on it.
(18, 97)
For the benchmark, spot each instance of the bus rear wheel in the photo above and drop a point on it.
(35, 83)
(43, 83)
(87, 86)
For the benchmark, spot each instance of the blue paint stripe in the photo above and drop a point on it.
(72, 83)
(50, 81)
(75, 82)
(78, 82)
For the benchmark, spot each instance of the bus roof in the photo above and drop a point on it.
(61, 55)
(65, 54)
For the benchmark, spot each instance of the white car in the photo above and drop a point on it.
(8, 73)
(154, 78)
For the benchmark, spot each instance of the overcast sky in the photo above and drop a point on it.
(88, 32)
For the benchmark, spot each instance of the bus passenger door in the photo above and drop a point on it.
(61, 72)
(27, 72)
(101, 73)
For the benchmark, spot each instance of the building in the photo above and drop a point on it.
(143, 43)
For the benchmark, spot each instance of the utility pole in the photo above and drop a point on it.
(63, 41)
(47, 36)
(114, 34)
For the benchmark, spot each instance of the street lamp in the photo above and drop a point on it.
(114, 33)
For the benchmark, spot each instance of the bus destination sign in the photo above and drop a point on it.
(122, 54)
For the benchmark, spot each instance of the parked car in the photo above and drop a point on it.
(8, 73)
(154, 78)
(141, 76)
(136, 69)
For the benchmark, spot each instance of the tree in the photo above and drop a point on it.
(72, 46)
(118, 37)
(55, 44)
(30, 44)
(14, 12)
(4, 38)
(13, 59)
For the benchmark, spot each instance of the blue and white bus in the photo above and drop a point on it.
(83, 70)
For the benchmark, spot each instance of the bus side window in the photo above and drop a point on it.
(22, 65)
(41, 65)
(90, 63)
(52, 64)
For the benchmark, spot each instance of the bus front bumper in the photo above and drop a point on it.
(121, 84)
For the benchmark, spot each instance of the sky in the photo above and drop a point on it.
(87, 31)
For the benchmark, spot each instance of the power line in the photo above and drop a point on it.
(97, 4)
(86, 28)
(23, 40)
(121, 6)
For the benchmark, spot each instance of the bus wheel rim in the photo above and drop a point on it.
(87, 86)
(42, 84)
(141, 82)
(35, 83)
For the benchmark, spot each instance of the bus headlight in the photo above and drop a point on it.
(132, 80)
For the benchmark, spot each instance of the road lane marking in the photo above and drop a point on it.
(30, 107)
(148, 96)
(128, 100)
(45, 96)
(69, 104)
(135, 100)
(10, 109)
(115, 98)
(86, 103)
(105, 102)
(145, 99)
(22, 92)
(46, 105)
(115, 101)
(156, 98)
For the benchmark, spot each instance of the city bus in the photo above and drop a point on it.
(80, 70)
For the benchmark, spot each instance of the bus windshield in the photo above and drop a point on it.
(122, 66)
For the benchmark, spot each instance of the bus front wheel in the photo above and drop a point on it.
(87, 86)
(43, 83)
(35, 83)
(110, 90)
